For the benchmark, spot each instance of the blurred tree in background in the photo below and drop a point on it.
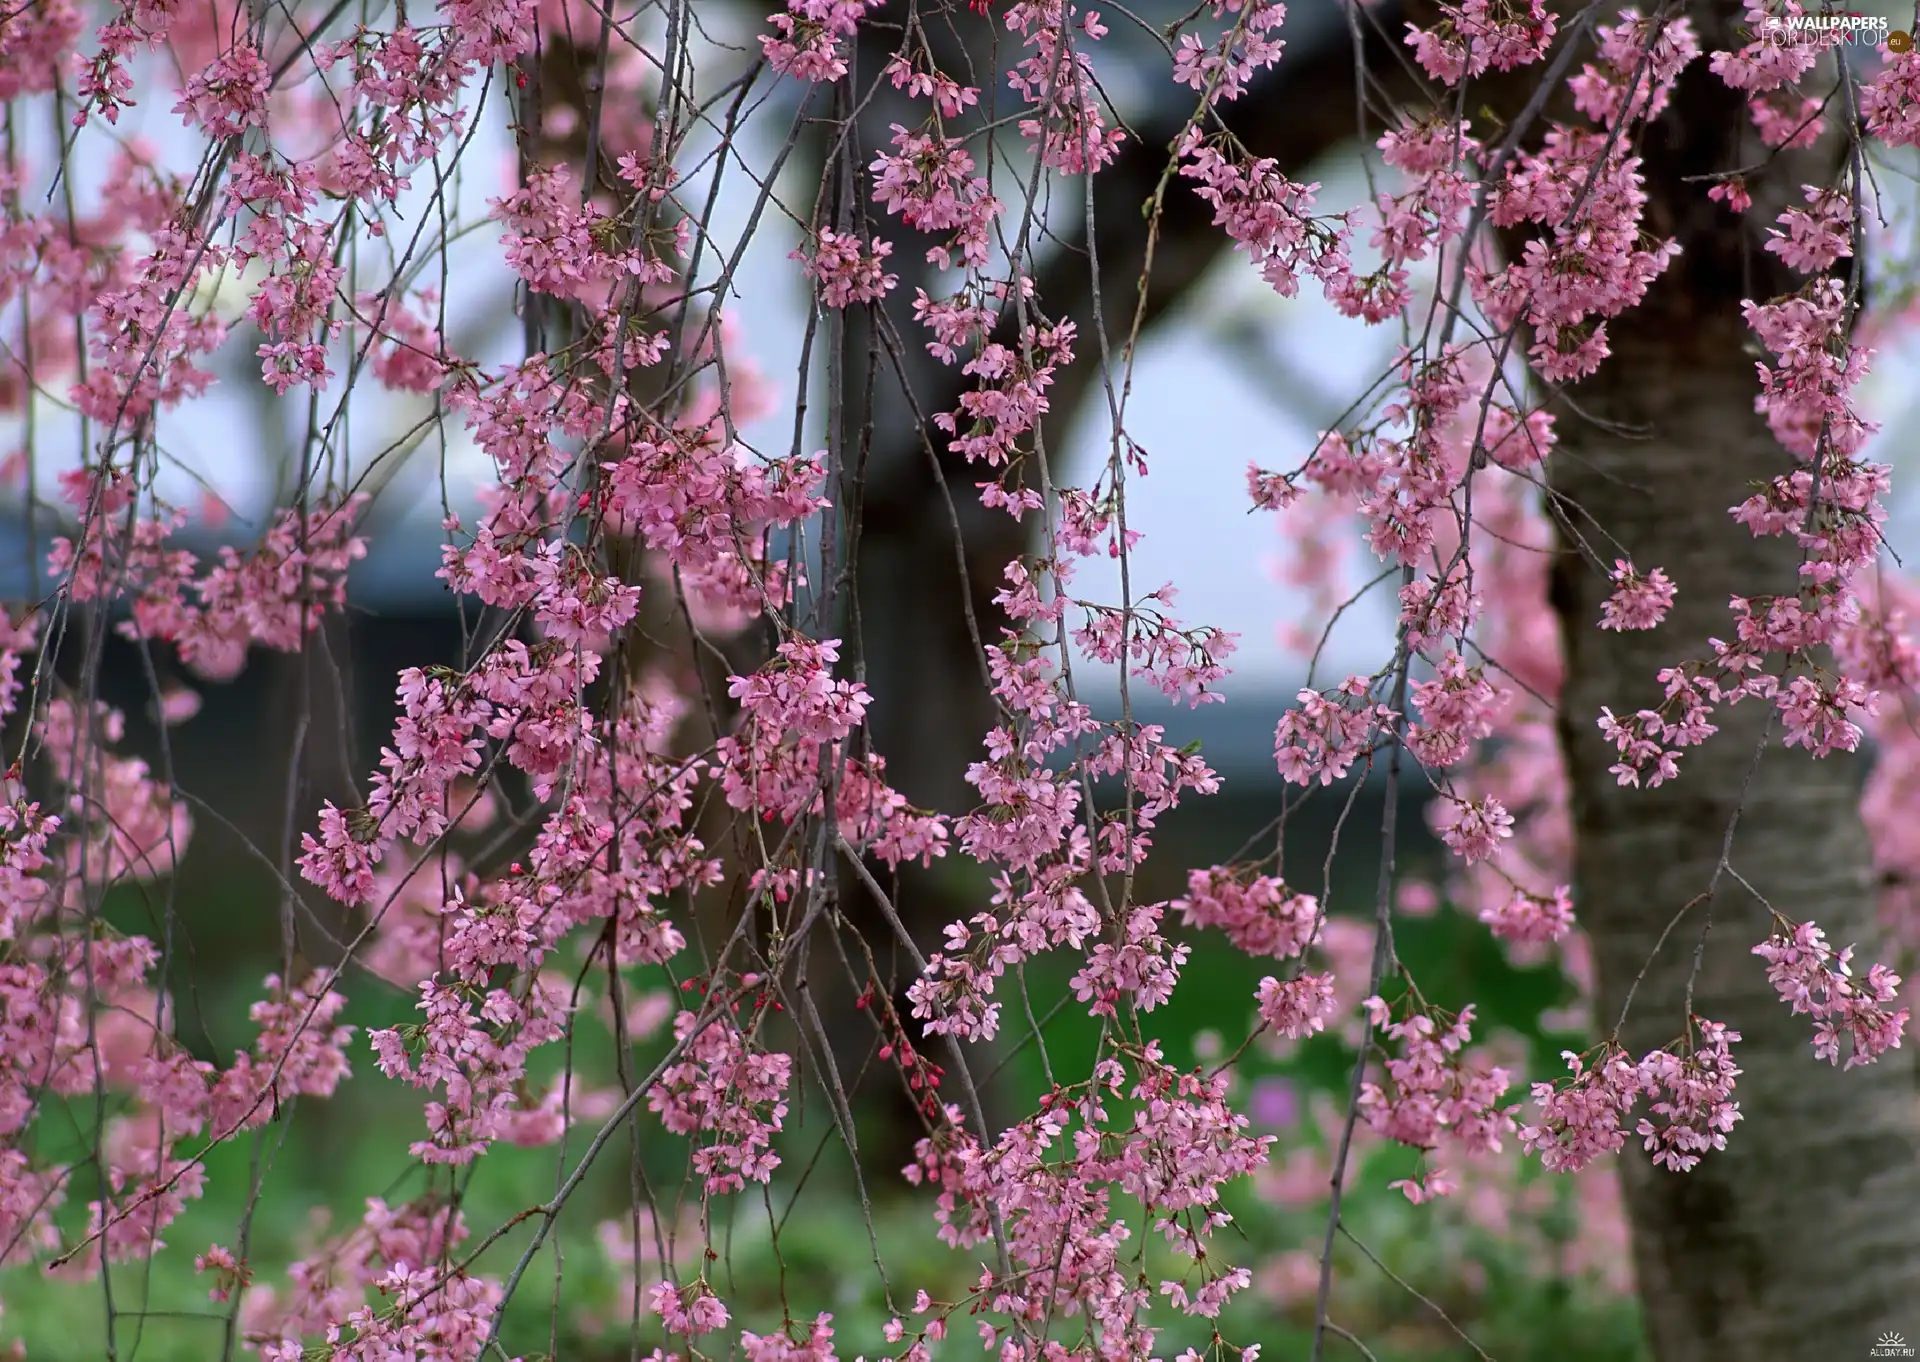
(707, 797)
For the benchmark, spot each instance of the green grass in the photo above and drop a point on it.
(822, 1259)
(778, 1254)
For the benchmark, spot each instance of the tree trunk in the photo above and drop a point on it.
(1800, 1242)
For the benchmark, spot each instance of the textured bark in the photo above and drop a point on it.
(1800, 1242)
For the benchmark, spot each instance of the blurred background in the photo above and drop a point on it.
(1228, 374)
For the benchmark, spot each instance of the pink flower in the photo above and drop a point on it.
(1531, 919)
(690, 1310)
(1813, 980)
(1299, 1007)
(1818, 235)
(1692, 1092)
(230, 96)
(1890, 102)
(1639, 601)
(809, 34)
(1733, 193)
(1435, 1183)
(1582, 1120)
(846, 272)
(1473, 829)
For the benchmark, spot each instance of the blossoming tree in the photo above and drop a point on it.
(1614, 479)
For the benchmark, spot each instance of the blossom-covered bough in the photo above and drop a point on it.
(646, 802)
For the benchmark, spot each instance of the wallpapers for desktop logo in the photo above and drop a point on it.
(1854, 27)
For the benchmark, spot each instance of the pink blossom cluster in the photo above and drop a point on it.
(806, 40)
(730, 1097)
(1221, 69)
(1890, 102)
(1436, 156)
(929, 181)
(795, 719)
(1593, 260)
(1272, 219)
(1458, 708)
(1156, 646)
(427, 1310)
(1640, 57)
(1639, 600)
(1067, 124)
(1772, 72)
(1296, 1008)
(1815, 981)
(1326, 735)
(1482, 35)
(569, 251)
(39, 47)
(1831, 506)
(846, 271)
(544, 805)
(1435, 1090)
(1259, 914)
(1171, 1153)
(1026, 830)
(1688, 1086)
(1529, 918)
(1011, 399)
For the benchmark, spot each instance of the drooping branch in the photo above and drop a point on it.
(1295, 114)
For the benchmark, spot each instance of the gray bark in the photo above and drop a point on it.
(1800, 1242)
